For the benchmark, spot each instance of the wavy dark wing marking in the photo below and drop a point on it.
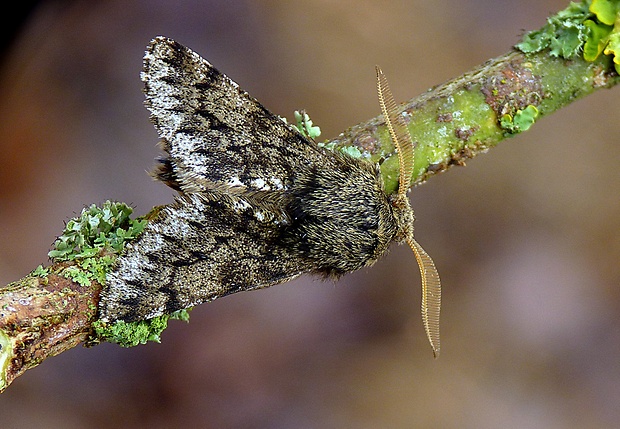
(212, 129)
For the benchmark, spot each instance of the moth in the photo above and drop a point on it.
(259, 204)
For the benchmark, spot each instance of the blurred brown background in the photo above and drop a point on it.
(525, 237)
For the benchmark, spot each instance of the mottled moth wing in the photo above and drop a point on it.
(212, 131)
(260, 204)
(202, 247)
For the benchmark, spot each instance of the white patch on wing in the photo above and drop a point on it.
(234, 181)
(276, 183)
(260, 184)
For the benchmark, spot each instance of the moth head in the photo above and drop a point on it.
(431, 285)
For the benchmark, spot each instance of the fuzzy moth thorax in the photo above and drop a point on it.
(341, 218)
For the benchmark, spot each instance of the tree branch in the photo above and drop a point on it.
(54, 309)
(41, 317)
(472, 113)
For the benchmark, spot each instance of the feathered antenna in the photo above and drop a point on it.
(431, 294)
(431, 284)
(398, 132)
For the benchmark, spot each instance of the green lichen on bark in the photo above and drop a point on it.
(586, 29)
(96, 228)
(130, 334)
(521, 121)
(93, 239)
